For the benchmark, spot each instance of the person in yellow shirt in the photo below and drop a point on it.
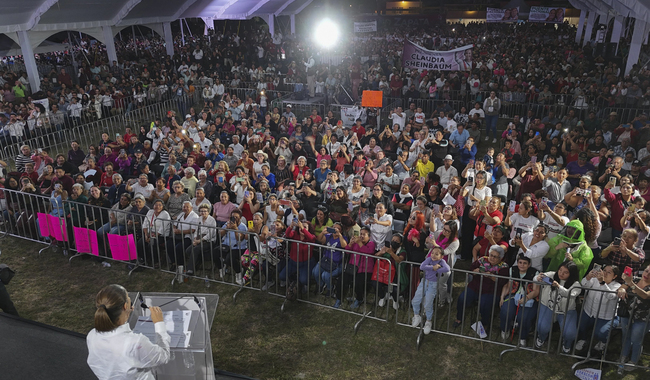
(424, 166)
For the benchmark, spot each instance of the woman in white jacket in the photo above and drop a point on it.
(558, 301)
(600, 305)
(116, 352)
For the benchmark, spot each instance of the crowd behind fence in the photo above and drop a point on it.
(56, 138)
(512, 105)
(284, 266)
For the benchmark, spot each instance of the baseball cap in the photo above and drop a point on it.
(583, 156)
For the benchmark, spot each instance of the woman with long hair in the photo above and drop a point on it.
(338, 204)
(114, 351)
(322, 220)
(475, 191)
(558, 301)
(448, 241)
(364, 266)
(250, 258)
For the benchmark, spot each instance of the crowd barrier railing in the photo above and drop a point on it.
(519, 104)
(120, 236)
(58, 140)
(319, 286)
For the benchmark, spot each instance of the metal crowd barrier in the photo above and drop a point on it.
(59, 140)
(320, 292)
(519, 104)
(75, 229)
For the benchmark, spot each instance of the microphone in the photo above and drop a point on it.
(183, 296)
(142, 304)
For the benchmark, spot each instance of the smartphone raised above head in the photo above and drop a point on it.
(628, 271)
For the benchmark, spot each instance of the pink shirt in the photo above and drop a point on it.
(222, 212)
(366, 264)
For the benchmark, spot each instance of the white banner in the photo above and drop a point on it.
(44, 102)
(365, 27)
(349, 115)
(502, 15)
(546, 14)
(588, 374)
(417, 57)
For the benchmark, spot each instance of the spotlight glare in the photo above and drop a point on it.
(326, 34)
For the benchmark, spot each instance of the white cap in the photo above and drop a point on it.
(448, 157)
(188, 116)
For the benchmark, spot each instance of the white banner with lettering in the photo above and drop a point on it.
(546, 14)
(417, 57)
(502, 15)
(365, 27)
(349, 115)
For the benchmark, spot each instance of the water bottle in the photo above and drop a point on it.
(188, 359)
(179, 273)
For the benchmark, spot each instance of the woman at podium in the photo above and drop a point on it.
(114, 351)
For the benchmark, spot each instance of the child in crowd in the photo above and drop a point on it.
(436, 270)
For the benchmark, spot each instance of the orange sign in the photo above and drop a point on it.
(372, 99)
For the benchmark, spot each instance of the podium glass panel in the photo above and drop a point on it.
(194, 359)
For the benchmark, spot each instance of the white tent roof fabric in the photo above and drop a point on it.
(57, 15)
(639, 9)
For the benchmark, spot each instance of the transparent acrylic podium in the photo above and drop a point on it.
(195, 360)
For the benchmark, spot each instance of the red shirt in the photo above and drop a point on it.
(300, 252)
(359, 130)
(107, 180)
(480, 222)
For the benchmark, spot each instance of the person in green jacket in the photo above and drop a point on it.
(572, 236)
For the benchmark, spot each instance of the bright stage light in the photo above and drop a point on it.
(326, 33)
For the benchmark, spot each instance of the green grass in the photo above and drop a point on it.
(253, 337)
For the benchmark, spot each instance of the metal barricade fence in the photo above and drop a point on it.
(90, 133)
(26, 215)
(475, 310)
(325, 282)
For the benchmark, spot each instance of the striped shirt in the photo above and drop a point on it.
(21, 160)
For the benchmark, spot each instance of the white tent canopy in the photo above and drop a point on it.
(638, 9)
(30, 22)
(58, 15)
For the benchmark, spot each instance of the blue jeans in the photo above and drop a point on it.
(108, 229)
(491, 123)
(586, 323)
(633, 338)
(429, 296)
(545, 324)
(302, 269)
(325, 277)
(525, 317)
(486, 304)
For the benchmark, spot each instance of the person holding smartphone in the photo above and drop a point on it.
(330, 265)
(634, 313)
(618, 204)
(623, 251)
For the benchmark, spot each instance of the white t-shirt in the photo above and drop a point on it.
(535, 252)
(479, 111)
(419, 117)
(144, 190)
(480, 194)
(526, 224)
(394, 180)
(399, 120)
(379, 233)
(554, 227)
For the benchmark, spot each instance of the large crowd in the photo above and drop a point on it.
(555, 205)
